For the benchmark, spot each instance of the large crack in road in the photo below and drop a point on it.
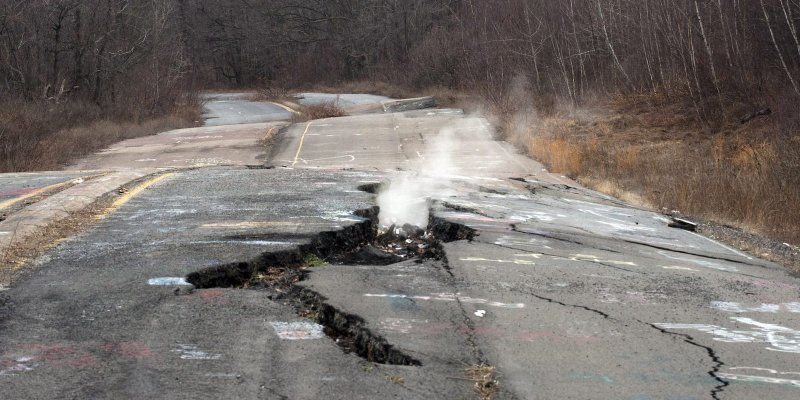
(278, 272)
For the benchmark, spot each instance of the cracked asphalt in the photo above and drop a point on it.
(570, 294)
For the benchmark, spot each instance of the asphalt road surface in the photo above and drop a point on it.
(340, 100)
(20, 186)
(567, 293)
(234, 108)
(233, 134)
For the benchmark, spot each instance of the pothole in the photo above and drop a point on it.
(277, 274)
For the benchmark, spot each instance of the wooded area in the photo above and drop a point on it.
(121, 52)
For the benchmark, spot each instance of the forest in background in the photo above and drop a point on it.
(600, 90)
(114, 53)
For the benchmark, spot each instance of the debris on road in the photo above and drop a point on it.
(407, 242)
(485, 383)
(681, 223)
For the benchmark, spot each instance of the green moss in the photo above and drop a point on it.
(311, 260)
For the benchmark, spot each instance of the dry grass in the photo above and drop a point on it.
(396, 379)
(485, 382)
(47, 136)
(648, 151)
(272, 93)
(318, 111)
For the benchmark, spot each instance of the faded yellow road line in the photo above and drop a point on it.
(269, 133)
(285, 107)
(124, 198)
(55, 186)
(300, 147)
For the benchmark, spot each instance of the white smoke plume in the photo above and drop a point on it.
(451, 155)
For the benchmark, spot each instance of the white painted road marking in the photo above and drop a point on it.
(449, 297)
(297, 330)
(191, 352)
(168, 281)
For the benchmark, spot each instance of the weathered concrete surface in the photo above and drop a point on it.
(398, 141)
(346, 101)
(17, 228)
(234, 131)
(401, 105)
(16, 187)
(235, 108)
(183, 148)
(366, 103)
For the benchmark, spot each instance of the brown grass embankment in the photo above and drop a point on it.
(38, 136)
(650, 150)
(318, 111)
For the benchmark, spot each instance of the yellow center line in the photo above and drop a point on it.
(285, 107)
(55, 186)
(133, 192)
(300, 147)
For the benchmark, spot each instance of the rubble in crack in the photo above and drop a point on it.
(407, 242)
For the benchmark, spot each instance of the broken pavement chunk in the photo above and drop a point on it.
(683, 224)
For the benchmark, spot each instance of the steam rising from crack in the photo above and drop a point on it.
(450, 156)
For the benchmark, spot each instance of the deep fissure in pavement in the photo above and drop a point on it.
(359, 244)
(711, 354)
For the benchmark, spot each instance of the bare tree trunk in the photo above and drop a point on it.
(610, 44)
(533, 50)
(778, 49)
(686, 73)
(787, 13)
(644, 52)
(724, 33)
(562, 65)
(708, 49)
(581, 65)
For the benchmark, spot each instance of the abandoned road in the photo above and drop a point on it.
(235, 108)
(261, 277)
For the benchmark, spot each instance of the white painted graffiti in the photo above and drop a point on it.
(168, 281)
(400, 325)
(191, 352)
(513, 241)
(20, 364)
(761, 378)
(761, 308)
(596, 259)
(449, 297)
(780, 338)
(297, 330)
(574, 257)
(702, 263)
(767, 370)
(515, 261)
